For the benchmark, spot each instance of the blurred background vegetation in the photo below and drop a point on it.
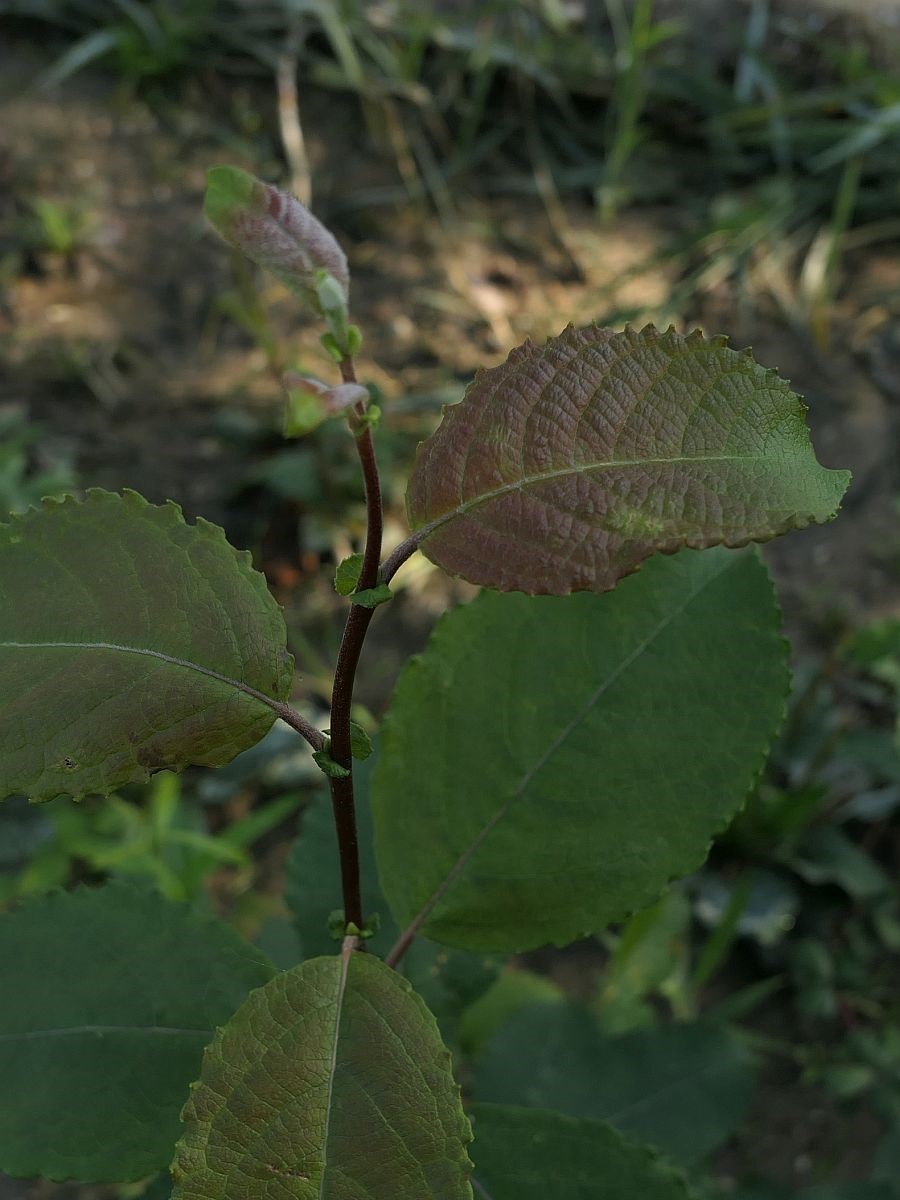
(494, 169)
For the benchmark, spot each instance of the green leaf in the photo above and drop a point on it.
(108, 998)
(159, 1189)
(328, 766)
(826, 855)
(549, 764)
(682, 1088)
(650, 956)
(346, 577)
(129, 642)
(448, 980)
(510, 992)
(331, 1081)
(886, 1166)
(372, 597)
(565, 467)
(849, 1191)
(360, 742)
(275, 231)
(528, 1154)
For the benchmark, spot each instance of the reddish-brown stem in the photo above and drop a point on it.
(402, 944)
(345, 674)
(305, 728)
(398, 557)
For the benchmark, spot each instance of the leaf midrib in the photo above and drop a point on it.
(171, 659)
(455, 871)
(346, 955)
(517, 485)
(649, 1098)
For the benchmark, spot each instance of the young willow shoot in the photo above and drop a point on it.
(568, 744)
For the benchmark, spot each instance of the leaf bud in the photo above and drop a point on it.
(279, 233)
(311, 402)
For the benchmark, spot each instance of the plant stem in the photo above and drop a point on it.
(398, 557)
(402, 944)
(357, 624)
(305, 728)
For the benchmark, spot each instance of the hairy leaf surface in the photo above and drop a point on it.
(550, 763)
(274, 230)
(682, 1088)
(331, 1083)
(129, 642)
(108, 998)
(529, 1154)
(565, 467)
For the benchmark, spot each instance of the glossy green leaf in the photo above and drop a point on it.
(130, 642)
(549, 764)
(108, 998)
(565, 467)
(681, 1088)
(330, 1083)
(530, 1154)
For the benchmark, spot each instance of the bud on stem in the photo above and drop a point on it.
(279, 233)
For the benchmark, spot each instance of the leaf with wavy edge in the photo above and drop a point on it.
(130, 641)
(565, 467)
(330, 1083)
(530, 1153)
(602, 743)
(109, 996)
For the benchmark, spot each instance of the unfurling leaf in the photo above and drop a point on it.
(564, 468)
(372, 597)
(130, 642)
(624, 731)
(327, 765)
(109, 996)
(330, 1081)
(277, 232)
(310, 403)
(360, 742)
(346, 577)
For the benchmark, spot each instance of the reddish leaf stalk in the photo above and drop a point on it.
(355, 629)
(398, 557)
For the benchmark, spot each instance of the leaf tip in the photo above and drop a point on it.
(228, 190)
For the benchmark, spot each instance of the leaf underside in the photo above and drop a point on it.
(529, 1154)
(603, 741)
(565, 467)
(681, 1088)
(125, 635)
(108, 998)
(330, 1083)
